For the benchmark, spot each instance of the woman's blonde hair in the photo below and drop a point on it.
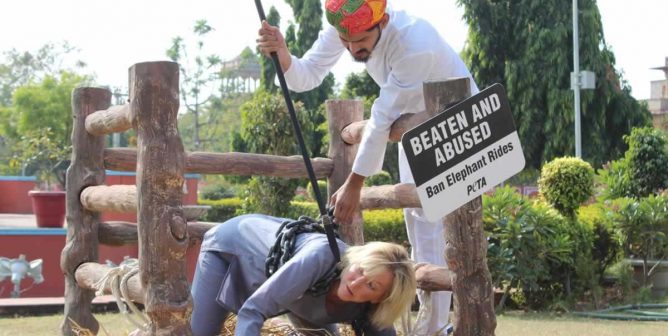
(376, 257)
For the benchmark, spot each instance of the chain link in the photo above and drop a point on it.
(284, 248)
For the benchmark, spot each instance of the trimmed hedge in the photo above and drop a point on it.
(221, 210)
(322, 186)
(385, 225)
(379, 225)
(566, 183)
(382, 178)
(303, 209)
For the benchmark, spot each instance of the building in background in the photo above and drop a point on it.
(658, 101)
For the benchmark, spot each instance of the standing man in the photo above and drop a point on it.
(400, 53)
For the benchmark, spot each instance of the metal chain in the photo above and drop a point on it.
(284, 248)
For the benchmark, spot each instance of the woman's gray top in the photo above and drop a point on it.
(244, 242)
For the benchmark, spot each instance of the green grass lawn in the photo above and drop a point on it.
(509, 324)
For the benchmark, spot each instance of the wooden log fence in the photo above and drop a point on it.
(122, 233)
(162, 230)
(466, 246)
(86, 169)
(162, 233)
(115, 198)
(242, 164)
(341, 113)
(89, 275)
(115, 119)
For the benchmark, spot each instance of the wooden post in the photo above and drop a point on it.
(466, 246)
(341, 113)
(86, 169)
(163, 238)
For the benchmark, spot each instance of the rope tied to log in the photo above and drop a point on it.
(117, 279)
(427, 276)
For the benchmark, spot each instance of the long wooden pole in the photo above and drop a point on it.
(466, 246)
(86, 169)
(163, 238)
(341, 113)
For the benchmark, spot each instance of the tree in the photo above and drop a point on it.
(647, 159)
(527, 46)
(38, 153)
(308, 17)
(267, 71)
(41, 105)
(299, 37)
(196, 79)
(266, 128)
(360, 85)
(565, 183)
(22, 67)
(642, 171)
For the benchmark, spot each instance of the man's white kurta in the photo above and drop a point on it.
(409, 52)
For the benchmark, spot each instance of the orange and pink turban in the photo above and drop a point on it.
(354, 16)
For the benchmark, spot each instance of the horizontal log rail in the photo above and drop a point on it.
(243, 164)
(115, 198)
(429, 277)
(433, 278)
(124, 233)
(89, 274)
(352, 134)
(123, 198)
(115, 119)
(402, 195)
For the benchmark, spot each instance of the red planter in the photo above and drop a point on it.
(49, 207)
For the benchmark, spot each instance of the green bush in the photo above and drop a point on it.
(303, 209)
(614, 180)
(39, 154)
(565, 183)
(528, 247)
(266, 128)
(269, 195)
(382, 178)
(221, 210)
(322, 186)
(605, 242)
(641, 172)
(217, 191)
(379, 225)
(643, 226)
(647, 159)
(385, 225)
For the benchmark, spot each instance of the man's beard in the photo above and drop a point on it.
(362, 59)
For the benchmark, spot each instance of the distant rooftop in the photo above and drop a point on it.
(242, 67)
(663, 68)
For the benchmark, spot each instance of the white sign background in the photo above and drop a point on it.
(489, 152)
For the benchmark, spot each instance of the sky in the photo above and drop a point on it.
(113, 35)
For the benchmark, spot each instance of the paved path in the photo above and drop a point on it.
(49, 305)
(8, 221)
